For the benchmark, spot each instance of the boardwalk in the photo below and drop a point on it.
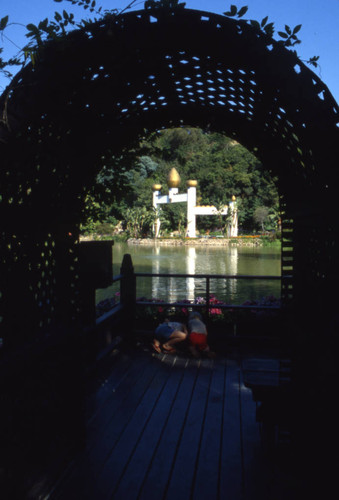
(171, 427)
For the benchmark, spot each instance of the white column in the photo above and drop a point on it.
(191, 203)
(156, 225)
(171, 192)
(234, 219)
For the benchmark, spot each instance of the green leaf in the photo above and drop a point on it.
(34, 29)
(269, 28)
(297, 28)
(282, 34)
(242, 11)
(57, 16)
(59, 1)
(233, 10)
(288, 29)
(43, 24)
(3, 23)
(264, 21)
(313, 60)
(255, 24)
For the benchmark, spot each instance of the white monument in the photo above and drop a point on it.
(193, 210)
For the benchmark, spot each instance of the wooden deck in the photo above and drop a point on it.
(173, 427)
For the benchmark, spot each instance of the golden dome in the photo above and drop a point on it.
(192, 183)
(233, 198)
(173, 179)
(156, 187)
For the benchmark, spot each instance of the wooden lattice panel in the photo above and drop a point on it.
(101, 87)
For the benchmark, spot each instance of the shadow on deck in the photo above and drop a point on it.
(170, 426)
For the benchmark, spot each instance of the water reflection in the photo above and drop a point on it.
(233, 269)
(200, 260)
(155, 270)
(193, 262)
(190, 269)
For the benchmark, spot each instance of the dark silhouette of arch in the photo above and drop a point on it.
(99, 88)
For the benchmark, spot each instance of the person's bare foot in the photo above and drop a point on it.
(169, 349)
(156, 346)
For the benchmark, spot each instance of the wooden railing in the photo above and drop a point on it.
(120, 319)
(128, 300)
(208, 277)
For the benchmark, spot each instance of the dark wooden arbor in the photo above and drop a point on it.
(90, 95)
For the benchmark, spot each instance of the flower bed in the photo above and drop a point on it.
(156, 310)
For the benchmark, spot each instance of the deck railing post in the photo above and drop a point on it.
(128, 292)
(208, 296)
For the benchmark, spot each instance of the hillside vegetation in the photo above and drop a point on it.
(222, 167)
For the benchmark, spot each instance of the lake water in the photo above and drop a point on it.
(224, 260)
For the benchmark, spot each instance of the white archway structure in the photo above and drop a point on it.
(193, 210)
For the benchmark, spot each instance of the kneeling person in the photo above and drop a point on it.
(197, 334)
(168, 334)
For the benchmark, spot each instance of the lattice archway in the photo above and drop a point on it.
(100, 88)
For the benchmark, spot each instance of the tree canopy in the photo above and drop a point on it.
(222, 167)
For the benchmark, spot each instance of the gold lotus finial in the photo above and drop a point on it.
(192, 183)
(173, 179)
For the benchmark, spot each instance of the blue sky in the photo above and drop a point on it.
(319, 19)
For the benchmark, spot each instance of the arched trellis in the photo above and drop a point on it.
(101, 87)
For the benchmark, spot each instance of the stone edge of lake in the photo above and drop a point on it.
(194, 242)
(251, 242)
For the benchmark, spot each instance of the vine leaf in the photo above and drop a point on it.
(313, 61)
(3, 23)
(232, 12)
(33, 30)
(264, 21)
(242, 11)
(255, 24)
(269, 29)
(282, 34)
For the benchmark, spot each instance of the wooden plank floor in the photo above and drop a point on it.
(172, 427)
